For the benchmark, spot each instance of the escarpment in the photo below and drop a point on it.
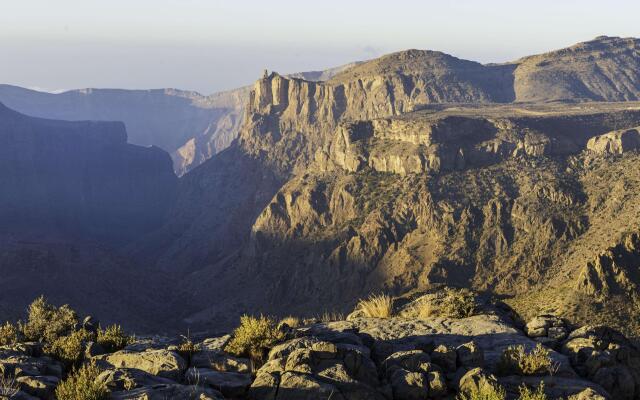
(81, 177)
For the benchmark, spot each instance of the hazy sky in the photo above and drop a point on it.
(211, 45)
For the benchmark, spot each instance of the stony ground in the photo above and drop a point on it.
(352, 359)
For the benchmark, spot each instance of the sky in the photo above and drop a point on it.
(214, 45)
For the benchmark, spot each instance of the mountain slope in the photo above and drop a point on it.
(379, 187)
(604, 69)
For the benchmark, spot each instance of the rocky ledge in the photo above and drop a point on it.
(360, 357)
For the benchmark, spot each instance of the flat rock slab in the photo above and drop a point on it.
(491, 333)
(164, 392)
(164, 363)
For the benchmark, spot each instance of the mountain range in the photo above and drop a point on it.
(303, 193)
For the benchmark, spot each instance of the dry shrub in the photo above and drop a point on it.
(484, 391)
(47, 322)
(376, 306)
(515, 360)
(528, 394)
(9, 334)
(113, 338)
(254, 337)
(81, 384)
(70, 349)
(9, 387)
(331, 316)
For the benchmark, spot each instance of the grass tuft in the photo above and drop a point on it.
(9, 334)
(376, 306)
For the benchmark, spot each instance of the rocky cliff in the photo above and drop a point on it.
(80, 177)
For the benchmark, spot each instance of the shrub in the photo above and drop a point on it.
(113, 338)
(81, 384)
(376, 306)
(516, 360)
(484, 391)
(458, 303)
(47, 322)
(254, 337)
(528, 394)
(9, 334)
(70, 349)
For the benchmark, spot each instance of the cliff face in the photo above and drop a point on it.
(80, 177)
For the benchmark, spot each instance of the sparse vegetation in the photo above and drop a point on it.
(291, 322)
(47, 322)
(515, 360)
(9, 334)
(376, 306)
(70, 349)
(528, 394)
(188, 347)
(331, 316)
(81, 384)
(485, 391)
(113, 338)
(254, 337)
(8, 387)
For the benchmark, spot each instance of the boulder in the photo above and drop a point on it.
(470, 355)
(163, 363)
(413, 360)
(230, 384)
(130, 378)
(296, 386)
(409, 385)
(445, 356)
(39, 386)
(474, 380)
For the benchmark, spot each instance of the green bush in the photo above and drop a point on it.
(528, 394)
(70, 349)
(9, 334)
(47, 322)
(113, 338)
(81, 384)
(515, 360)
(484, 391)
(458, 303)
(254, 337)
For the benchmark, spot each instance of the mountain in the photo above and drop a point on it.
(403, 174)
(190, 126)
(386, 178)
(604, 69)
(73, 193)
(166, 118)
